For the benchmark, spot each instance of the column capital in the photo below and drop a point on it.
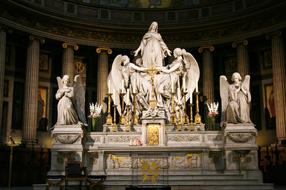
(99, 50)
(32, 37)
(67, 44)
(239, 43)
(207, 47)
(274, 34)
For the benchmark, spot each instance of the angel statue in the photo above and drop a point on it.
(125, 74)
(71, 101)
(184, 68)
(235, 99)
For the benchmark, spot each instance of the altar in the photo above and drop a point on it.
(151, 138)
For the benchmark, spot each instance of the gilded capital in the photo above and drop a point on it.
(33, 37)
(239, 43)
(99, 50)
(207, 47)
(66, 44)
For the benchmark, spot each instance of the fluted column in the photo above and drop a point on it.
(208, 76)
(242, 57)
(2, 74)
(68, 59)
(279, 84)
(102, 73)
(31, 91)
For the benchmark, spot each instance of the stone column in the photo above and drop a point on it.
(102, 73)
(31, 91)
(68, 58)
(279, 84)
(242, 57)
(208, 76)
(2, 74)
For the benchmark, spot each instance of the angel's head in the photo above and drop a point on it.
(66, 79)
(236, 78)
(177, 52)
(125, 59)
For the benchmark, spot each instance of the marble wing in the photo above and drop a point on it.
(223, 90)
(60, 84)
(79, 99)
(193, 72)
(246, 83)
(115, 77)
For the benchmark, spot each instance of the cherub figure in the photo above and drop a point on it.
(236, 99)
(71, 101)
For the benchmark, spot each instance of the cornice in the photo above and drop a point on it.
(194, 36)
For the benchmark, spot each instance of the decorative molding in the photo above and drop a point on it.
(67, 138)
(241, 137)
(41, 39)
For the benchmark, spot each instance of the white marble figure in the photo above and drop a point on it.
(235, 99)
(183, 73)
(153, 48)
(71, 101)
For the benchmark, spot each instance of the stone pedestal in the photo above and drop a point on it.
(67, 146)
(241, 149)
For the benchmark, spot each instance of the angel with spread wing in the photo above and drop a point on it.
(131, 75)
(184, 66)
(235, 99)
(71, 101)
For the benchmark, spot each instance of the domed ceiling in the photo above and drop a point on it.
(121, 23)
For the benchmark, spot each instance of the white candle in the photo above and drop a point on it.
(114, 96)
(179, 94)
(127, 94)
(134, 86)
(172, 85)
(109, 90)
(184, 84)
(122, 85)
(197, 88)
(191, 98)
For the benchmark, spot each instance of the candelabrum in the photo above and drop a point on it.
(135, 116)
(185, 116)
(128, 118)
(114, 126)
(173, 114)
(191, 117)
(122, 117)
(198, 119)
(109, 117)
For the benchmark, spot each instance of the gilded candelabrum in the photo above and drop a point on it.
(114, 126)
(185, 116)
(191, 117)
(109, 117)
(128, 118)
(122, 117)
(198, 119)
(173, 114)
(135, 116)
(152, 101)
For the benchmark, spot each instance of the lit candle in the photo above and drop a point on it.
(191, 97)
(122, 85)
(109, 90)
(172, 85)
(127, 94)
(179, 94)
(114, 96)
(134, 86)
(184, 84)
